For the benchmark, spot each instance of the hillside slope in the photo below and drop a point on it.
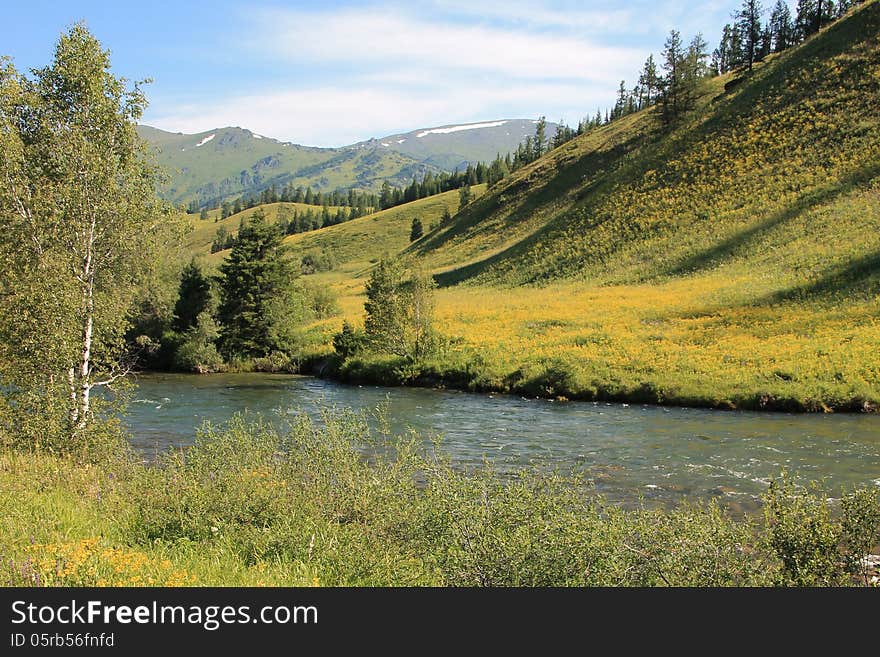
(777, 175)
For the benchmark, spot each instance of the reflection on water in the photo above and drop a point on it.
(629, 451)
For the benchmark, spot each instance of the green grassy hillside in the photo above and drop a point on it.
(776, 179)
(358, 243)
(203, 231)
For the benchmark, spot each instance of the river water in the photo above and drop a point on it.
(629, 451)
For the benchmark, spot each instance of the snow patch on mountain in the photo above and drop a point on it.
(206, 139)
(459, 128)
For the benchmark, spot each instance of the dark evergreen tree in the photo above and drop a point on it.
(806, 18)
(253, 275)
(385, 196)
(540, 142)
(417, 230)
(781, 26)
(649, 83)
(749, 22)
(193, 297)
(620, 106)
(673, 81)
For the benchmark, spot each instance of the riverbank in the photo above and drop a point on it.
(560, 381)
(246, 505)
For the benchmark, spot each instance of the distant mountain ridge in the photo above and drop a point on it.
(209, 166)
(454, 146)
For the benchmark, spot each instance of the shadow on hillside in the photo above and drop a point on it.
(770, 88)
(557, 181)
(584, 176)
(748, 237)
(859, 277)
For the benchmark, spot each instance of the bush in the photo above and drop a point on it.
(349, 341)
(815, 547)
(196, 351)
(362, 507)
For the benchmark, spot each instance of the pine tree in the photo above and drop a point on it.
(254, 275)
(807, 18)
(386, 196)
(620, 106)
(781, 26)
(416, 231)
(540, 142)
(648, 83)
(749, 21)
(673, 81)
(193, 297)
(695, 64)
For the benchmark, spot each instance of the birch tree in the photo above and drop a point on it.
(79, 221)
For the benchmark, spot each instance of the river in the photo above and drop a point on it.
(630, 451)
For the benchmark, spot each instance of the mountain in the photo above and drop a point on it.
(210, 166)
(452, 147)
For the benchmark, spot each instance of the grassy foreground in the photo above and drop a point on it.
(249, 506)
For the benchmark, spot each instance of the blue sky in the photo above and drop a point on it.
(332, 73)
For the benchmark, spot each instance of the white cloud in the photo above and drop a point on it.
(403, 42)
(386, 69)
(594, 20)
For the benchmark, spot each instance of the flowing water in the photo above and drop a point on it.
(629, 451)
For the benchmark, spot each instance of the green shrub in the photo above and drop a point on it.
(359, 506)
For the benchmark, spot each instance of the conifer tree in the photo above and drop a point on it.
(648, 83)
(254, 275)
(673, 81)
(781, 26)
(540, 141)
(193, 297)
(749, 21)
(416, 231)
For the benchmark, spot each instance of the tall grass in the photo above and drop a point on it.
(334, 503)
